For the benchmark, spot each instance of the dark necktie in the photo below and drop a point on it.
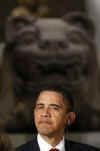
(54, 149)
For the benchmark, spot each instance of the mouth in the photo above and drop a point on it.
(44, 122)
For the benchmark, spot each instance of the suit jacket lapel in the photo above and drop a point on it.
(67, 145)
(34, 145)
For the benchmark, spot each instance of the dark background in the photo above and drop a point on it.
(57, 8)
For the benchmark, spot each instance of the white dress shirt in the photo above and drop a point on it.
(44, 146)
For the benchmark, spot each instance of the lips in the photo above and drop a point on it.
(45, 122)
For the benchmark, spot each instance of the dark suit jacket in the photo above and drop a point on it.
(69, 146)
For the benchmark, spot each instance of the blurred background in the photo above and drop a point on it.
(38, 8)
(12, 114)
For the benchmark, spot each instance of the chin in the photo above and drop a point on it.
(45, 132)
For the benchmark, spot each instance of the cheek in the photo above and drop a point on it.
(36, 116)
(60, 119)
(56, 117)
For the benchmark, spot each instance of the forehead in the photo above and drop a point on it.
(50, 97)
(52, 29)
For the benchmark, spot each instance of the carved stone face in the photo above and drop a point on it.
(51, 52)
(48, 53)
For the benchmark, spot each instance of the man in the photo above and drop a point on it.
(49, 51)
(52, 113)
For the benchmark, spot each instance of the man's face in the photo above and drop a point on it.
(50, 114)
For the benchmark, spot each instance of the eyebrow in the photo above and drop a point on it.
(55, 105)
(39, 104)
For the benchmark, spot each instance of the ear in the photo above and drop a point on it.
(16, 23)
(71, 116)
(81, 20)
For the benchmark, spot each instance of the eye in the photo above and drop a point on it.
(27, 37)
(62, 44)
(54, 107)
(39, 106)
(44, 44)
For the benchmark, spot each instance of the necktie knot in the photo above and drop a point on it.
(53, 149)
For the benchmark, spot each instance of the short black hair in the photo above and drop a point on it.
(67, 96)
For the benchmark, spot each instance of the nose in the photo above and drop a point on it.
(45, 112)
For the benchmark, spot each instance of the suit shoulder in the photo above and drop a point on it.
(80, 146)
(25, 146)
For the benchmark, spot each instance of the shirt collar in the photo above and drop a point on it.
(44, 146)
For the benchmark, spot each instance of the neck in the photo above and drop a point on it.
(52, 140)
